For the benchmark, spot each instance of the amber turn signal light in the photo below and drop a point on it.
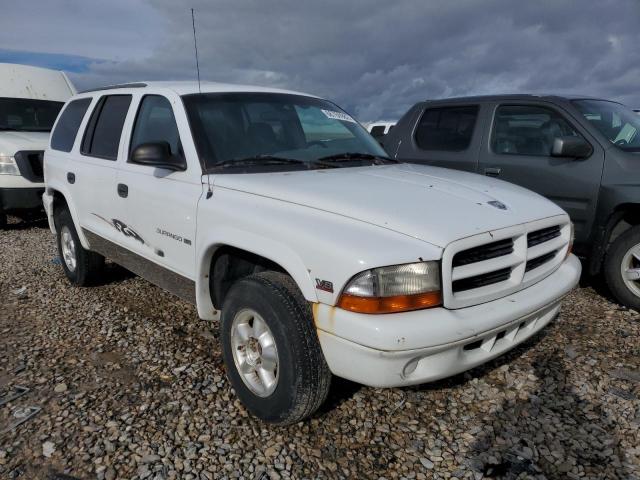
(398, 303)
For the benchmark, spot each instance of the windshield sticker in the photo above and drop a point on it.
(338, 116)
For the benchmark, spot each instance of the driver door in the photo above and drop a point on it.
(160, 205)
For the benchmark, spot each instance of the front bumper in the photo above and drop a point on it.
(426, 345)
(17, 199)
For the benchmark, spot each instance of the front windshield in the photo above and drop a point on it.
(27, 115)
(615, 121)
(231, 127)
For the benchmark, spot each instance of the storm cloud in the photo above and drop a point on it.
(374, 58)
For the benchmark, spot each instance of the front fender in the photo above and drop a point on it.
(268, 248)
(311, 245)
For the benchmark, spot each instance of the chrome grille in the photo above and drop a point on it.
(539, 261)
(494, 264)
(542, 235)
(481, 280)
(483, 252)
(30, 164)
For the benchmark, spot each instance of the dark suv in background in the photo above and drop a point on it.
(582, 153)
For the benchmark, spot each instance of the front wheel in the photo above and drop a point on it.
(622, 268)
(271, 350)
(3, 220)
(81, 266)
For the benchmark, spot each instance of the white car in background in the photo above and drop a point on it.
(276, 213)
(379, 129)
(30, 99)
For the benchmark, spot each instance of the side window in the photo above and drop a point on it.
(102, 137)
(446, 129)
(378, 131)
(527, 130)
(155, 122)
(66, 130)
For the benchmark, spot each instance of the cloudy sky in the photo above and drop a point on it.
(373, 57)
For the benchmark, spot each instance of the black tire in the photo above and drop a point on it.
(89, 264)
(613, 268)
(304, 377)
(3, 220)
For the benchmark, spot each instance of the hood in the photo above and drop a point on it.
(12, 142)
(436, 205)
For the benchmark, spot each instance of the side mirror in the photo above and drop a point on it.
(157, 154)
(574, 147)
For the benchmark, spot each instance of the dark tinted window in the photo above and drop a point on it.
(155, 123)
(527, 130)
(27, 115)
(449, 128)
(105, 127)
(66, 130)
(378, 131)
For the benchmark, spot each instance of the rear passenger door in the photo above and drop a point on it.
(160, 205)
(519, 151)
(446, 136)
(93, 172)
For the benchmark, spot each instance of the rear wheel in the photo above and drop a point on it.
(271, 349)
(622, 268)
(3, 220)
(82, 267)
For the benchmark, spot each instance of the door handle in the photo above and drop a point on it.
(123, 190)
(71, 177)
(492, 171)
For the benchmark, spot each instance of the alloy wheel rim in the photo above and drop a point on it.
(68, 249)
(254, 352)
(630, 269)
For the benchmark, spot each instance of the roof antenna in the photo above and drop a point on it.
(195, 44)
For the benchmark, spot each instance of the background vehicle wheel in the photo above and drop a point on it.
(271, 349)
(3, 220)
(622, 268)
(80, 266)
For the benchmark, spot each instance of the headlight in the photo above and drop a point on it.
(572, 236)
(8, 166)
(398, 288)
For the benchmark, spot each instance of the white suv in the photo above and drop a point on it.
(280, 215)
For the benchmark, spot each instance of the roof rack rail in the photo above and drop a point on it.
(111, 87)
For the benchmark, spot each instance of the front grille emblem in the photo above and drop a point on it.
(497, 204)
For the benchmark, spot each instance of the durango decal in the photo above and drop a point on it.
(175, 237)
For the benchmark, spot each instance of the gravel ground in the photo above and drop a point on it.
(131, 385)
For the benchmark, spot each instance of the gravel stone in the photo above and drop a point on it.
(48, 448)
(60, 388)
(145, 394)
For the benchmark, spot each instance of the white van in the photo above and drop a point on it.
(380, 129)
(30, 99)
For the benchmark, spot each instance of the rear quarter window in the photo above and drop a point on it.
(102, 136)
(64, 135)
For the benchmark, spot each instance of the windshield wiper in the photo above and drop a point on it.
(349, 156)
(258, 160)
